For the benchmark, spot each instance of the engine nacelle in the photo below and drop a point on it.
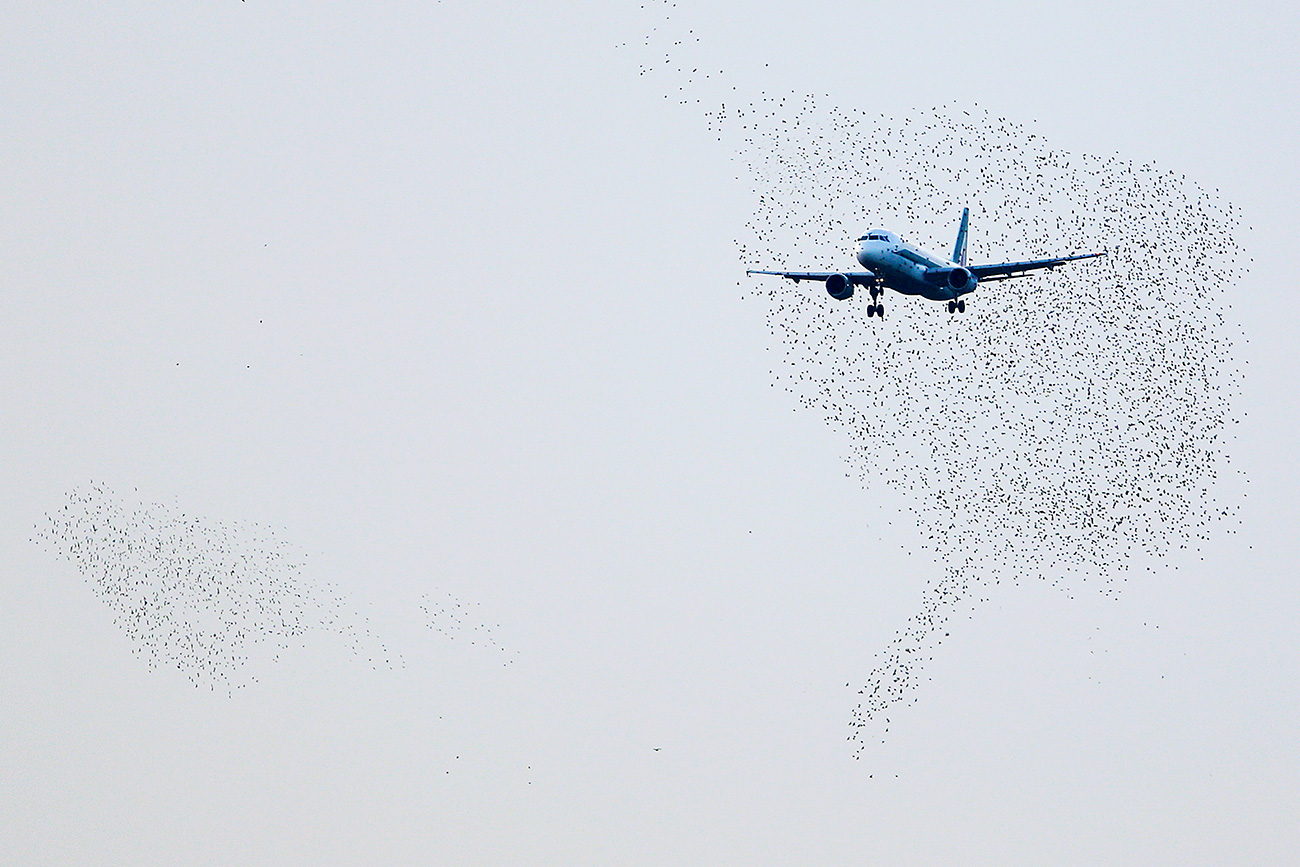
(840, 287)
(959, 279)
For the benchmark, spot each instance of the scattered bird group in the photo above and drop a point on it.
(453, 618)
(194, 593)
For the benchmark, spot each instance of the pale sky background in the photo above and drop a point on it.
(448, 295)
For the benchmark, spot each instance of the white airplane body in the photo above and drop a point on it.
(898, 265)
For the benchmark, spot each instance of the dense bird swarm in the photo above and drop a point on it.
(1068, 427)
(194, 593)
(1071, 420)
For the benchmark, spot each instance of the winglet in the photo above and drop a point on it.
(959, 250)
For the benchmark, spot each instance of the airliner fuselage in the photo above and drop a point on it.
(911, 270)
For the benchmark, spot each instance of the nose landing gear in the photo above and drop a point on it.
(875, 308)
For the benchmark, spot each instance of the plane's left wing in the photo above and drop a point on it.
(856, 278)
(1007, 270)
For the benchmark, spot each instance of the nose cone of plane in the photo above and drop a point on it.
(863, 259)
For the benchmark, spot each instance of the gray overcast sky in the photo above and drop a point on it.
(448, 295)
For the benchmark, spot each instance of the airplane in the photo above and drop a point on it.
(897, 265)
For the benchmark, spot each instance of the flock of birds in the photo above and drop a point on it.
(216, 599)
(1073, 425)
(1072, 421)
(200, 595)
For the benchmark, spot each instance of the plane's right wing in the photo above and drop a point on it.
(1007, 270)
(856, 278)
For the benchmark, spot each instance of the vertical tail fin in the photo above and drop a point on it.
(959, 251)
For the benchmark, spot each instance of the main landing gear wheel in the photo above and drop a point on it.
(871, 310)
(961, 306)
(952, 307)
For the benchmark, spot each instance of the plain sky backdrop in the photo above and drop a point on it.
(448, 294)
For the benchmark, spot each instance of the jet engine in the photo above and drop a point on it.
(959, 278)
(839, 286)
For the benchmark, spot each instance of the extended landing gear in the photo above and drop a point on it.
(956, 306)
(875, 308)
